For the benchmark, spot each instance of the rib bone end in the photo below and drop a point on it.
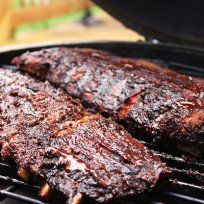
(24, 174)
(5, 151)
(45, 191)
(77, 198)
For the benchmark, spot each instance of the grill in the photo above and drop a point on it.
(186, 184)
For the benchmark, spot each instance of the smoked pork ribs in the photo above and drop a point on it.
(156, 103)
(50, 135)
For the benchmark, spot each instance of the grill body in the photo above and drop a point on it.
(186, 184)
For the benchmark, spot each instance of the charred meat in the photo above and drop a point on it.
(154, 102)
(80, 154)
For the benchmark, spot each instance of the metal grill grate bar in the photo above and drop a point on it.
(184, 184)
(20, 197)
(10, 188)
(17, 182)
(184, 197)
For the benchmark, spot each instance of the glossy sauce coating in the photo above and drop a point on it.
(155, 101)
(52, 136)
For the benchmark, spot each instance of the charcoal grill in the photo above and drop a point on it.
(186, 184)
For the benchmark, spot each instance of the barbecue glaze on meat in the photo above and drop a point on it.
(80, 154)
(153, 101)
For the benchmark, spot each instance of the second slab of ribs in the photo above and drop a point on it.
(153, 101)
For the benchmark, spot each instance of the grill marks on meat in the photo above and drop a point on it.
(156, 101)
(114, 161)
(78, 153)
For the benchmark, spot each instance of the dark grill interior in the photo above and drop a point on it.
(187, 182)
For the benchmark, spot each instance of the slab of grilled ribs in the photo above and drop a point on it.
(156, 102)
(50, 135)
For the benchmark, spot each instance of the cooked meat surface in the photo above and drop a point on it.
(156, 102)
(50, 135)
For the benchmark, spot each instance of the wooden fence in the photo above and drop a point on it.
(31, 11)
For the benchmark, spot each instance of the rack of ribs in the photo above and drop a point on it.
(154, 102)
(83, 155)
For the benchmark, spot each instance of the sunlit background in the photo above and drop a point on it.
(33, 21)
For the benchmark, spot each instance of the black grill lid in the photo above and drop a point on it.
(175, 21)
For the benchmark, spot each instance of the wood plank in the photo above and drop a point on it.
(38, 13)
(15, 18)
(4, 6)
(107, 29)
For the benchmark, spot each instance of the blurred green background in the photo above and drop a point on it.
(34, 21)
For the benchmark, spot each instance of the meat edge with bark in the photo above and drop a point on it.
(20, 147)
(63, 66)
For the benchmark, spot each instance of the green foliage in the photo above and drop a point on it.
(54, 21)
